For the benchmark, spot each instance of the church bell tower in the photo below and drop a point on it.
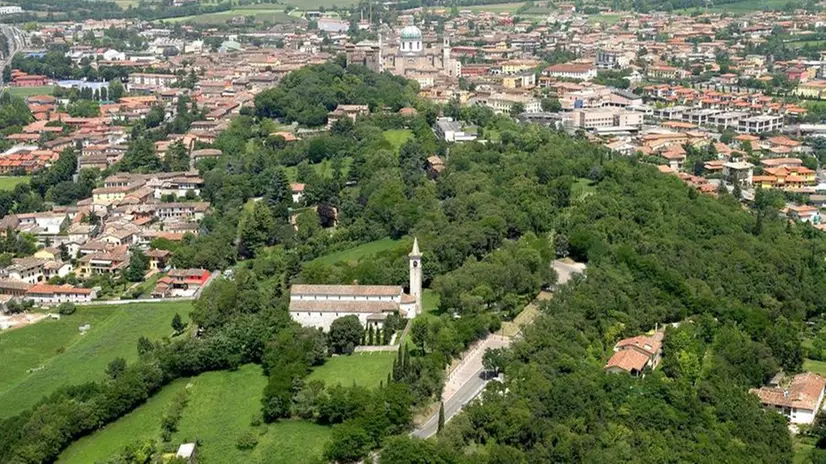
(415, 258)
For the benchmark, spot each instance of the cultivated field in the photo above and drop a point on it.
(42, 357)
(273, 15)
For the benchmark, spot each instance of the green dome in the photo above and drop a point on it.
(411, 33)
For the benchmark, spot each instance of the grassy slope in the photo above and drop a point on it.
(365, 369)
(114, 333)
(10, 182)
(356, 253)
(221, 406)
(818, 367)
(397, 137)
(323, 169)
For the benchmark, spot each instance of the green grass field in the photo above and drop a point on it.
(818, 367)
(62, 356)
(10, 182)
(496, 7)
(747, 6)
(221, 407)
(29, 91)
(607, 19)
(356, 253)
(397, 137)
(365, 369)
(323, 169)
(582, 189)
(272, 15)
(310, 5)
(802, 447)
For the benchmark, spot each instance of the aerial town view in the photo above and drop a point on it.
(412, 232)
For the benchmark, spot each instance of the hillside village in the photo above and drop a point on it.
(115, 143)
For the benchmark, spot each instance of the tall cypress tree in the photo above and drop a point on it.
(441, 417)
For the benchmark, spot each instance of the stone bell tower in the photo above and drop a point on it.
(415, 258)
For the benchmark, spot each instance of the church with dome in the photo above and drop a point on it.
(421, 57)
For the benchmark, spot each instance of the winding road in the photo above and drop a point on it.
(468, 379)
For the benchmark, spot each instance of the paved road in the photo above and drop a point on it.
(566, 270)
(468, 392)
(16, 40)
(467, 381)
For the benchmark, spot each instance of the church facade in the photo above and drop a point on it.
(319, 305)
(415, 56)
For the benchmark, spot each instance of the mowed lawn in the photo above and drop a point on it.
(397, 137)
(364, 369)
(10, 182)
(358, 252)
(220, 409)
(59, 355)
(29, 91)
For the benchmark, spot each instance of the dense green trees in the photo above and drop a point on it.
(345, 334)
(741, 284)
(307, 95)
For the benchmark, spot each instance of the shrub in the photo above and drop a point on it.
(246, 441)
(66, 308)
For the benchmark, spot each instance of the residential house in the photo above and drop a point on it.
(48, 295)
(799, 402)
(634, 355)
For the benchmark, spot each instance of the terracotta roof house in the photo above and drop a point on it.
(799, 401)
(633, 355)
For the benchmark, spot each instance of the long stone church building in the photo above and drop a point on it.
(320, 305)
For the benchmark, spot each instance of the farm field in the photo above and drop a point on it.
(356, 253)
(316, 4)
(29, 91)
(260, 14)
(220, 408)
(364, 369)
(10, 182)
(59, 355)
(747, 6)
(497, 7)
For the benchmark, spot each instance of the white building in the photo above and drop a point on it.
(47, 295)
(451, 131)
(583, 72)
(799, 402)
(759, 124)
(7, 10)
(319, 305)
(504, 102)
